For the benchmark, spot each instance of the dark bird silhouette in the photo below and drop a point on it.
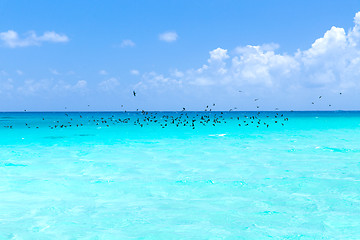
(134, 93)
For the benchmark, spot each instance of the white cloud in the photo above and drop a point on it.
(177, 73)
(11, 39)
(127, 43)
(81, 84)
(168, 36)
(51, 37)
(152, 79)
(103, 72)
(134, 72)
(218, 55)
(332, 62)
(31, 87)
(109, 84)
(6, 86)
(49, 86)
(61, 86)
(19, 72)
(54, 71)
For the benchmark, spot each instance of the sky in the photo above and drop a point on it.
(91, 55)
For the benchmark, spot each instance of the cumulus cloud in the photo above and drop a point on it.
(332, 61)
(176, 73)
(168, 36)
(81, 84)
(103, 72)
(12, 39)
(109, 84)
(54, 71)
(34, 87)
(31, 87)
(127, 43)
(6, 85)
(153, 79)
(134, 72)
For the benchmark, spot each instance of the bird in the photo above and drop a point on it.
(134, 93)
(256, 99)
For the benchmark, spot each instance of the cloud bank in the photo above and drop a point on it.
(332, 62)
(13, 40)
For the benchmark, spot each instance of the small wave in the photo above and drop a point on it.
(217, 135)
(9, 164)
(85, 135)
(55, 137)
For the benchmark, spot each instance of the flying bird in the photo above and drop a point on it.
(134, 93)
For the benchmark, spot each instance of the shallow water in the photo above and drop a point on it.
(300, 180)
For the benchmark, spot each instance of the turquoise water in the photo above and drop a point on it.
(300, 180)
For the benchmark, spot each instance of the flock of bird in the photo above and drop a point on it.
(163, 120)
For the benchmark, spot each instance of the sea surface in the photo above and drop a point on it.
(277, 175)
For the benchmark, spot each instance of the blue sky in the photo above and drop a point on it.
(57, 54)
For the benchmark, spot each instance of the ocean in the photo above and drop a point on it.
(180, 175)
